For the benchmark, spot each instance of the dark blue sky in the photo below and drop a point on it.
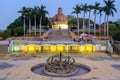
(9, 8)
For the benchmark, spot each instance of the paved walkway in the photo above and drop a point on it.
(101, 69)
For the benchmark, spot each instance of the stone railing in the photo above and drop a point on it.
(45, 35)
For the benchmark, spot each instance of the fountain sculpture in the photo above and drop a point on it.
(60, 65)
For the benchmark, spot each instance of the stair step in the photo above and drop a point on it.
(59, 35)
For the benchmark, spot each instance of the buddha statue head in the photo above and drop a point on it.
(59, 11)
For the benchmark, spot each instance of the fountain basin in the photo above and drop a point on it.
(81, 69)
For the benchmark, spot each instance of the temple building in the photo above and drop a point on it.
(59, 21)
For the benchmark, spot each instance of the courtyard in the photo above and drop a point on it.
(55, 41)
(18, 67)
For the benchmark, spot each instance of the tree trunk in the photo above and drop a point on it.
(78, 23)
(40, 25)
(24, 24)
(83, 22)
(29, 26)
(100, 25)
(89, 22)
(35, 23)
(105, 25)
(95, 24)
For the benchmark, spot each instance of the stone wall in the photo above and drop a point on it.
(3, 49)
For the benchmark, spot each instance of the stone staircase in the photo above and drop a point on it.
(59, 35)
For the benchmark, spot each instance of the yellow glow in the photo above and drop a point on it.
(46, 48)
(39, 48)
(24, 49)
(53, 48)
(82, 49)
(62, 26)
(74, 48)
(60, 48)
(31, 49)
(89, 48)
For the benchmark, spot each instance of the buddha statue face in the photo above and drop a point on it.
(59, 11)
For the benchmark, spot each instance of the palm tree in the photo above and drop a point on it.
(96, 6)
(104, 9)
(77, 10)
(85, 9)
(100, 15)
(42, 13)
(90, 7)
(24, 12)
(35, 13)
(109, 10)
(29, 14)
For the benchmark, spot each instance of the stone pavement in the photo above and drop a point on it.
(101, 69)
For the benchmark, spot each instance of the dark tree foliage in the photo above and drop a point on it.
(16, 23)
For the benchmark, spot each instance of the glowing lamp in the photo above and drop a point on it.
(89, 48)
(60, 48)
(83, 49)
(47, 48)
(74, 48)
(16, 48)
(24, 48)
(31, 48)
(64, 26)
(53, 48)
